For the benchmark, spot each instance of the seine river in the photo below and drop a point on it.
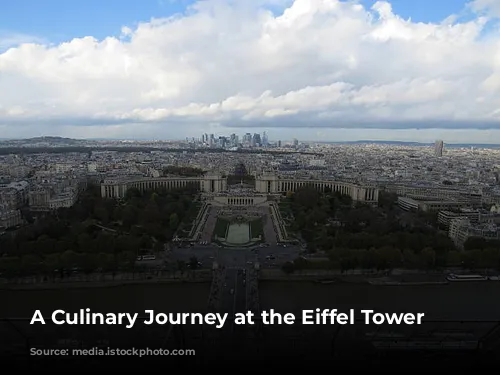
(454, 301)
(127, 298)
(466, 301)
(475, 301)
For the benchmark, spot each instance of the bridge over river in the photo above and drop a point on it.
(234, 291)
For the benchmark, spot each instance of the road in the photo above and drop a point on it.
(238, 262)
(204, 254)
(238, 257)
(234, 301)
(209, 226)
(234, 292)
(268, 226)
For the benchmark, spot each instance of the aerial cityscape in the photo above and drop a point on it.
(226, 158)
(237, 214)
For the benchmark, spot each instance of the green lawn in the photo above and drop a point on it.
(285, 210)
(257, 228)
(193, 212)
(221, 228)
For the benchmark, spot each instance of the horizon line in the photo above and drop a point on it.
(290, 140)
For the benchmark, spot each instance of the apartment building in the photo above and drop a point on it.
(411, 204)
(434, 193)
(461, 229)
(10, 218)
(14, 195)
(445, 217)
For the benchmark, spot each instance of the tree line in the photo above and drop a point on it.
(358, 236)
(182, 171)
(388, 258)
(96, 233)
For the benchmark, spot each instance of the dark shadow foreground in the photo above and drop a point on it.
(433, 345)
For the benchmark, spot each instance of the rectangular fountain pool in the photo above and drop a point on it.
(238, 233)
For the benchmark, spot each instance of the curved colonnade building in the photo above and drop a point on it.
(217, 183)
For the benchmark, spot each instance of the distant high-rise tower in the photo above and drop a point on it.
(247, 138)
(438, 148)
(256, 141)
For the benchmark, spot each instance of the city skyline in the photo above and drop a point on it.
(239, 141)
(395, 72)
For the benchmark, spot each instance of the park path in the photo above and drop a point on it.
(268, 227)
(209, 226)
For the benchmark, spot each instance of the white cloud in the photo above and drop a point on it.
(8, 40)
(490, 7)
(321, 63)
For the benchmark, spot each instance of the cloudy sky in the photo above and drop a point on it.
(309, 69)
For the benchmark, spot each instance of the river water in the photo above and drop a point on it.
(191, 297)
(465, 301)
(468, 301)
(454, 301)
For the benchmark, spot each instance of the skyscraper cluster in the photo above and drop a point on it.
(248, 140)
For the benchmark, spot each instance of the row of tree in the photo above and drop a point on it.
(96, 232)
(65, 264)
(182, 171)
(68, 263)
(387, 258)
